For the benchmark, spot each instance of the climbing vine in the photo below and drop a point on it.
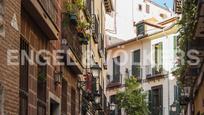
(187, 26)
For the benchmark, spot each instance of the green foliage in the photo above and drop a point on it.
(186, 31)
(133, 99)
(83, 25)
(75, 6)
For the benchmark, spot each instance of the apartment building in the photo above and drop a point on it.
(120, 24)
(149, 57)
(38, 28)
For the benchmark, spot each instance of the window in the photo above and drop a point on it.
(158, 58)
(140, 29)
(147, 9)
(73, 101)
(24, 48)
(116, 69)
(140, 7)
(41, 88)
(136, 64)
(64, 97)
(156, 100)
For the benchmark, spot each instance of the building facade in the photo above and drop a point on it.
(120, 24)
(150, 58)
(192, 97)
(48, 54)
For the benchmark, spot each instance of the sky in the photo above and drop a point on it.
(168, 2)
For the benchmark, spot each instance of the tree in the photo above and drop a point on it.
(132, 99)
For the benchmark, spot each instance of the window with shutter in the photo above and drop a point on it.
(24, 48)
(158, 58)
(140, 29)
(116, 69)
(136, 64)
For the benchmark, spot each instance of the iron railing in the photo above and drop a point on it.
(153, 71)
(69, 33)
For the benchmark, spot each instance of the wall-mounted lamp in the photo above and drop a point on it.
(58, 77)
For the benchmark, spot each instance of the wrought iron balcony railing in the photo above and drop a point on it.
(114, 81)
(154, 71)
(69, 33)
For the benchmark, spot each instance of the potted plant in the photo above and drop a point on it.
(73, 10)
(85, 40)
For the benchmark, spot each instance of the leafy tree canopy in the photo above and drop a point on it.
(132, 99)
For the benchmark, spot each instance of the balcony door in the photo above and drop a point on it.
(158, 58)
(116, 69)
(136, 64)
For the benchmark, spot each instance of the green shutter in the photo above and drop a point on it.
(136, 63)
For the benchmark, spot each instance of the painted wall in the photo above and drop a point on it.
(146, 47)
(120, 23)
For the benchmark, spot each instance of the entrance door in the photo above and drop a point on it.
(157, 103)
(54, 108)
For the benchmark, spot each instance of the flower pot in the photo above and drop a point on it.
(84, 41)
(73, 18)
(82, 38)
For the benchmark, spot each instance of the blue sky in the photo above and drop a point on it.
(168, 2)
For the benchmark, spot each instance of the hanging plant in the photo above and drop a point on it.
(73, 10)
(186, 33)
(83, 26)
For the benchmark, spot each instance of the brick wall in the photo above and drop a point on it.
(9, 75)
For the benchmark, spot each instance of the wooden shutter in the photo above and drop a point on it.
(136, 64)
(116, 69)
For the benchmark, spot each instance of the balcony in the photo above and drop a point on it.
(71, 43)
(137, 72)
(155, 72)
(46, 14)
(115, 82)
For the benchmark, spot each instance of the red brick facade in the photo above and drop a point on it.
(30, 31)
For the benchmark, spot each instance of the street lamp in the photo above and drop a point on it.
(173, 107)
(112, 106)
(96, 70)
(58, 77)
